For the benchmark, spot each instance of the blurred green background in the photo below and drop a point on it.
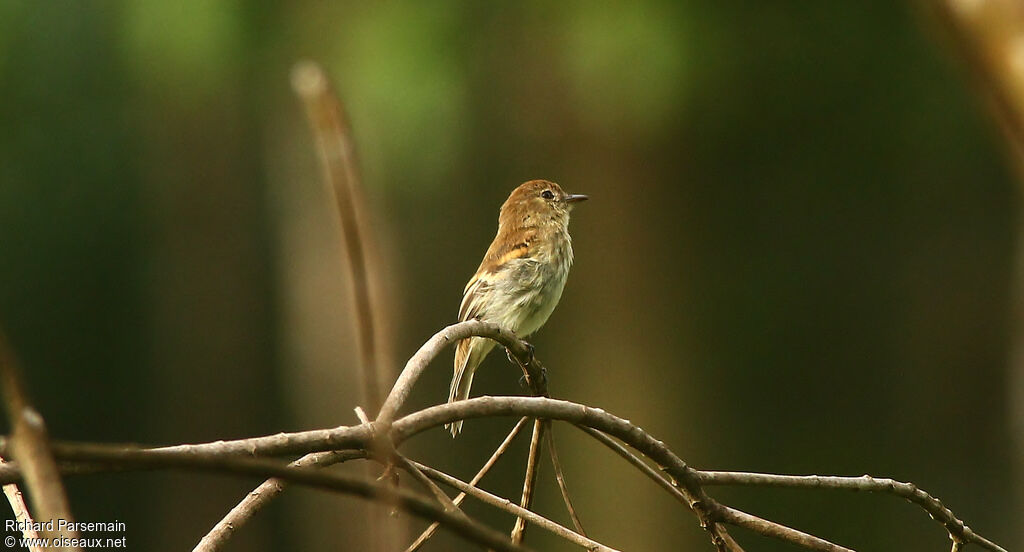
(797, 257)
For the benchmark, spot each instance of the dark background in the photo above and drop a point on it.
(797, 257)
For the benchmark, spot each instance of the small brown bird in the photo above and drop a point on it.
(521, 277)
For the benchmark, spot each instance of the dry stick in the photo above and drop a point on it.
(538, 386)
(418, 422)
(498, 452)
(689, 485)
(775, 530)
(414, 470)
(697, 499)
(730, 544)
(560, 477)
(21, 514)
(258, 497)
(429, 531)
(417, 504)
(509, 506)
(530, 479)
(956, 528)
(333, 136)
(31, 449)
(338, 161)
(337, 158)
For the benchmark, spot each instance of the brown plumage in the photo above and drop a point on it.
(521, 277)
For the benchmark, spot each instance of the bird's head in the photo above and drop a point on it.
(538, 202)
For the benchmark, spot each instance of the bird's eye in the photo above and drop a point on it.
(546, 194)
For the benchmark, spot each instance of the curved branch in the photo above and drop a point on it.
(413, 503)
(261, 495)
(416, 365)
(31, 448)
(957, 529)
(338, 161)
(687, 480)
(562, 486)
(729, 543)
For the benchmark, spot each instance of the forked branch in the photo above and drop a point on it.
(113, 457)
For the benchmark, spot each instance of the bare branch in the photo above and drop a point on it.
(429, 531)
(728, 542)
(530, 479)
(775, 530)
(31, 448)
(336, 147)
(958, 531)
(260, 496)
(508, 506)
(21, 514)
(413, 503)
(338, 160)
(413, 468)
(416, 365)
(709, 511)
(560, 477)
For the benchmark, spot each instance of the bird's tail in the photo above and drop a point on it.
(469, 353)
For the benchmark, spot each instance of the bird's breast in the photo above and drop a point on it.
(532, 292)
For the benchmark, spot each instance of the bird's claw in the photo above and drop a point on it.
(524, 383)
(531, 351)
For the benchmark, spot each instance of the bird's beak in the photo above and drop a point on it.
(575, 198)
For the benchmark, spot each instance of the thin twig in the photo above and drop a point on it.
(560, 477)
(498, 452)
(509, 506)
(336, 147)
(933, 506)
(337, 158)
(341, 176)
(260, 496)
(774, 530)
(530, 479)
(730, 544)
(21, 513)
(413, 468)
(31, 449)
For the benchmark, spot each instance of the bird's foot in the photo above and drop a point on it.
(525, 384)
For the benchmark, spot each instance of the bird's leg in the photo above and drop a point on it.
(531, 351)
(515, 361)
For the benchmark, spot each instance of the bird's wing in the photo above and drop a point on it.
(496, 259)
(476, 289)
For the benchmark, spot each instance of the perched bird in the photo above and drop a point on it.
(521, 277)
